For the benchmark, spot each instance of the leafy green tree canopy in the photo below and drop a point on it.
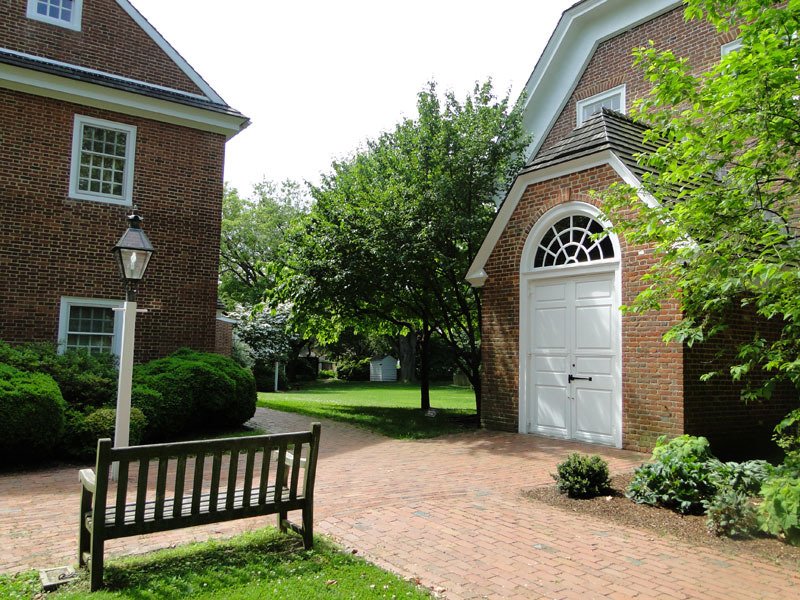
(725, 181)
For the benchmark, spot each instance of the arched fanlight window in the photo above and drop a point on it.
(573, 240)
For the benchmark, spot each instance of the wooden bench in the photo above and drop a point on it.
(277, 476)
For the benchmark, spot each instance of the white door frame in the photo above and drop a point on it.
(528, 276)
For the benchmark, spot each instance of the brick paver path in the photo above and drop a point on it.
(447, 511)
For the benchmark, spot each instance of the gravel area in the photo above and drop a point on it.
(662, 522)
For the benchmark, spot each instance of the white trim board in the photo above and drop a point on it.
(476, 274)
(167, 48)
(568, 51)
(128, 103)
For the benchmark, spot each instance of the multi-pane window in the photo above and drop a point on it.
(102, 161)
(613, 99)
(88, 324)
(66, 13)
(572, 240)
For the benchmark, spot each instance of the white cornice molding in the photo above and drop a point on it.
(123, 102)
(476, 275)
(167, 48)
(569, 50)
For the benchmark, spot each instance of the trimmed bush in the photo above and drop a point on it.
(198, 391)
(31, 415)
(83, 431)
(582, 476)
(679, 476)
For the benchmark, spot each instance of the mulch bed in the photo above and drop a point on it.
(665, 523)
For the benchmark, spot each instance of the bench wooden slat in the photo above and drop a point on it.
(122, 491)
(247, 486)
(280, 475)
(264, 480)
(161, 485)
(297, 456)
(180, 476)
(141, 488)
(197, 490)
(233, 473)
(215, 473)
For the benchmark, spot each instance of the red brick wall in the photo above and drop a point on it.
(652, 380)
(612, 63)
(223, 343)
(53, 246)
(109, 41)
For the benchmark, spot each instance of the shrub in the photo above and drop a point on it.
(83, 431)
(326, 374)
(31, 414)
(165, 416)
(582, 476)
(198, 390)
(730, 513)
(746, 477)
(264, 374)
(679, 476)
(354, 370)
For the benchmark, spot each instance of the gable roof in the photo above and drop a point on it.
(608, 138)
(43, 76)
(580, 30)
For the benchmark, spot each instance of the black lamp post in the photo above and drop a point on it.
(133, 252)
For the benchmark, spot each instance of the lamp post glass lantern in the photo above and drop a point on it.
(133, 252)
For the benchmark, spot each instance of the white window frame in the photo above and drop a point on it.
(615, 91)
(74, 23)
(126, 199)
(733, 46)
(67, 302)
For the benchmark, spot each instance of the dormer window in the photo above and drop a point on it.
(64, 13)
(613, 99)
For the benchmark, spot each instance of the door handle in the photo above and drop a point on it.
(572, 378)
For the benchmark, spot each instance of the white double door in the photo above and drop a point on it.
(573, 361)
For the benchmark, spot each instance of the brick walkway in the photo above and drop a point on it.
(447, 511)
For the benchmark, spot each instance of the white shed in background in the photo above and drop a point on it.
(383, 368)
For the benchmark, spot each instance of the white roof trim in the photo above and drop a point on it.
(569, 50)
(476, 274)
(119, 101)
(170, 51)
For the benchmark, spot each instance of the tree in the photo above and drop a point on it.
(389, 240)
(252, 231)
(725, 178)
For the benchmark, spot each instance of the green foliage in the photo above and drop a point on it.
(326, 374)
(197, 390)
(679, 475)
(85, 380)
(746, 477)
(31, 415)
(725, 178)
(787, 432)
(582, 476)
(394, 228)
(252, 231)
(354, 369)
(780, 510)
(731, 513)
(264, 373)
(83, 431)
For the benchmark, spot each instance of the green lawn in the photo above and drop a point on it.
(253, 566)
(392, 409)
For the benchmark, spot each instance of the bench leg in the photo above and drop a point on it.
(308, 528)
(83, 533)
(282, 516)
(96, 563)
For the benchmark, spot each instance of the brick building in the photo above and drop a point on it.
(98, 113)
(559, 357)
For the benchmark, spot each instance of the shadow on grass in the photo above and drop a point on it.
(395, 422)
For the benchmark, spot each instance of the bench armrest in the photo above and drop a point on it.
(87, 479)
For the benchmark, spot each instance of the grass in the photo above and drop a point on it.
(256, 565)
(391, 409)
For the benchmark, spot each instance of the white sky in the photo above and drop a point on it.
(317, 77)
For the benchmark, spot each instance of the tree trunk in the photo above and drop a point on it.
(407, 349)
(425, 367)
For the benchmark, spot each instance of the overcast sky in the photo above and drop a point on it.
(317, 78)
